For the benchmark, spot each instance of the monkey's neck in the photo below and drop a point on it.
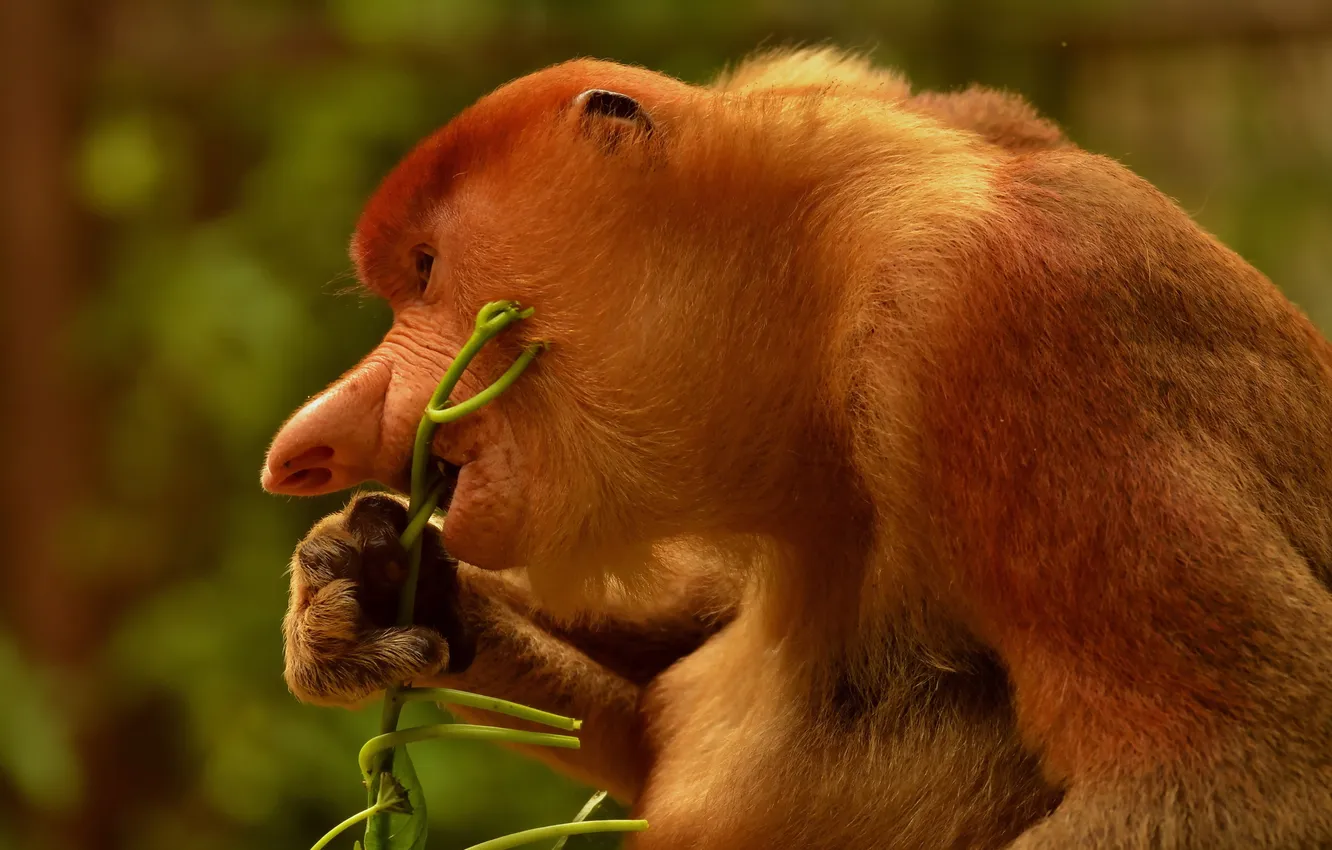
(849, 631)
(833, 577)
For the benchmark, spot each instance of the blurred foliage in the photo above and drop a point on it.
(224, 151)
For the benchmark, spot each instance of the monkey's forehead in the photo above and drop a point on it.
(486, 129)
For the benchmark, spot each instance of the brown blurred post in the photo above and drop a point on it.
(41, 78)
(38, 270)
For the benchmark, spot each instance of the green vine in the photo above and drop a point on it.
(395, 814)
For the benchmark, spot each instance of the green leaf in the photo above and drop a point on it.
(406, 825)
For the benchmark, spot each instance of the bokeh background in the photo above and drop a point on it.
(178, 179)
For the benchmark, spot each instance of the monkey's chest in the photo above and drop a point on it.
(744, 761)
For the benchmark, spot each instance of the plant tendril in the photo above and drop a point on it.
(461, 731)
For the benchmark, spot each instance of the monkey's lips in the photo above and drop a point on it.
(448, 474)
(481, 508)
(437, 470)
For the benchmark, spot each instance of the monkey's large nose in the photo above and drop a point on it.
(331, 443)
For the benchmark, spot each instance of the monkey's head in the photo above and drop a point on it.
(675, 242)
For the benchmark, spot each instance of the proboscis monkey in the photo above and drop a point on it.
(899, 475)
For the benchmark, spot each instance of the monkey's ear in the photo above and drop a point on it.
(611, 117)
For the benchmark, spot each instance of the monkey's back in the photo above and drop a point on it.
(1128, 438)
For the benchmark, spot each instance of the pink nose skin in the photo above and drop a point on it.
(332, 442)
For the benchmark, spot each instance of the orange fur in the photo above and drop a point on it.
(1014, 486)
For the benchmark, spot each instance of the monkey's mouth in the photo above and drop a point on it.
(441, 473)
(448, 474)
(484, 500)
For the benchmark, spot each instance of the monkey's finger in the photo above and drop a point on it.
(325, 556)
(375, 521)
(332, 658)
(329, 615)
(376, 518)
(336, 673)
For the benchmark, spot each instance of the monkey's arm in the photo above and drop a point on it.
(476, 631)
(595, 671)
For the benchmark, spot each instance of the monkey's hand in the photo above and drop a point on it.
(342, 644)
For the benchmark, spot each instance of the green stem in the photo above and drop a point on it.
(450, 412)
(560, 830)
(490, 321)
(349, 823)
(419, 522)
(493, 318)
(388, 719)
(458, 731)
(583, 814)
(449, 696)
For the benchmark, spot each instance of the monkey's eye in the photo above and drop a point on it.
(425, 264)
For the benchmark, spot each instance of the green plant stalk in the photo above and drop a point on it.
(389, 799)
(421, 520)
(490, 321)
(458, 731)
(561, 830)
(583, 814)
(500, 706)
(349, 823)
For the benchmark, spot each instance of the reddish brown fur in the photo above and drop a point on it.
(1105, 590)
(899, 475)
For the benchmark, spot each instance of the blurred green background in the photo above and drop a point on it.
(178, 181)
